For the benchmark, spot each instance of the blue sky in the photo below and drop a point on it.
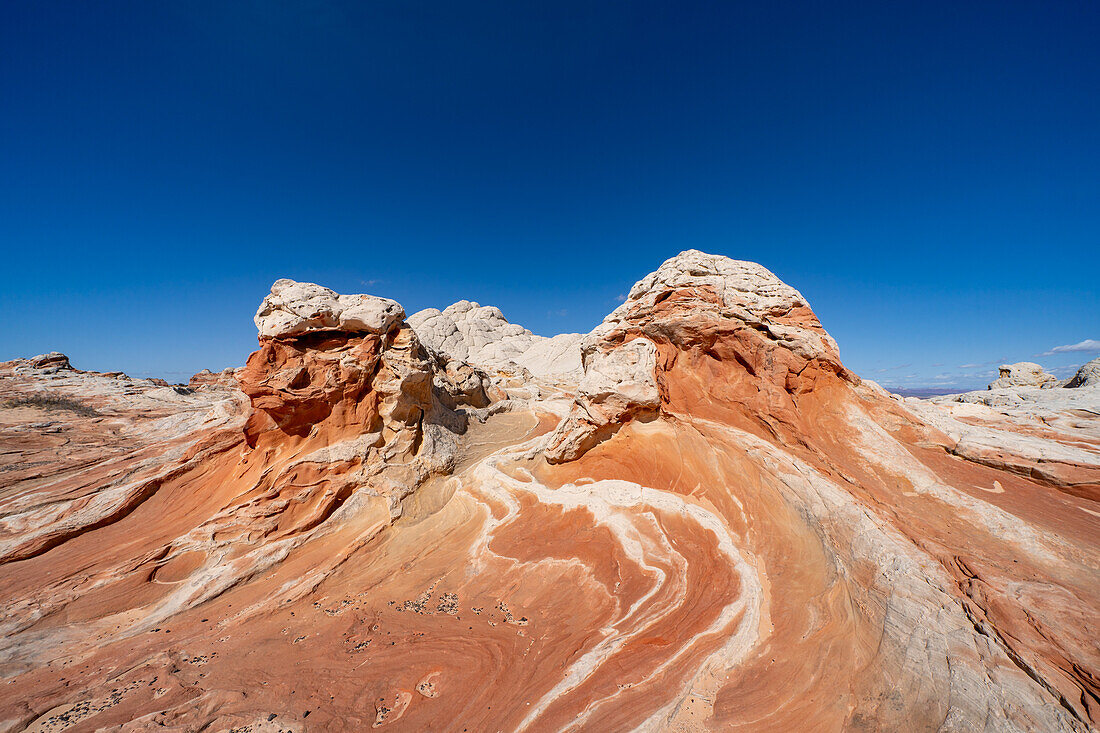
(926, 173)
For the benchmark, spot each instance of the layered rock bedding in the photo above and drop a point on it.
(694, 517)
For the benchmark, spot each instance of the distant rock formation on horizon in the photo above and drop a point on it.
(1023, 374)
(694, 517)
(1087, 376)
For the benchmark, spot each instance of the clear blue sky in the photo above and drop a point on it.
(926, 173)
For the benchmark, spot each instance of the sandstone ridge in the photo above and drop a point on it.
(694, 517)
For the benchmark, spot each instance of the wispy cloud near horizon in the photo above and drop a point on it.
(1088, 346)
(1064, 371)
(892, 368)
(995, 362)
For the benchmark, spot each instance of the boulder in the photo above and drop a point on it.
(294, 309)
(754, 336)
(732, 289)
(1023, 374)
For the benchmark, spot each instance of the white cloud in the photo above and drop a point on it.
(1065, 371)
(1088, 345)
(998, 362)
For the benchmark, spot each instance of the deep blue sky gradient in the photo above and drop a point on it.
(926, 173)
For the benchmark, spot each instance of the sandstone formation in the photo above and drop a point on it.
(481, 336)
(1023, 374)
(294, 309)
(619, 385)
(52, 362)
(1087, 376)
(208, 379)
(704, 522)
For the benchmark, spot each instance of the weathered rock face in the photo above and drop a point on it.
(698, 310)
(711, 285)
(711, 525)
(352, 377)
(53, 361)
(1087, 376)
(619, 385)
(82, 450)
(1023, 374)
(293, 309)
(208, 379)
(481, 336)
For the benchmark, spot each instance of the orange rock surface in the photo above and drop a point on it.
(717, 526)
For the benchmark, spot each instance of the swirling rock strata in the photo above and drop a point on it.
(712, 524)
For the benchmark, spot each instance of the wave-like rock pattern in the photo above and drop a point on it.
(714, 525)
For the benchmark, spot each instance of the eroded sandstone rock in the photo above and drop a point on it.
(294, 308)
(618, 385)
(699, 307)
(208, 379)
(1023, 374)
(54, 360)
(1087, 376)
(731, 532)
(734, 289)
(480, 335)
(348, 368)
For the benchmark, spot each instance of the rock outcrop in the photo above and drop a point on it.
(619, 385)
(1023, 374)
(294, 309)
(52, 362)
(481, 336)
(696, 307)
(1087, 376)
(208, 379)
(693, 518)
(346, 374)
